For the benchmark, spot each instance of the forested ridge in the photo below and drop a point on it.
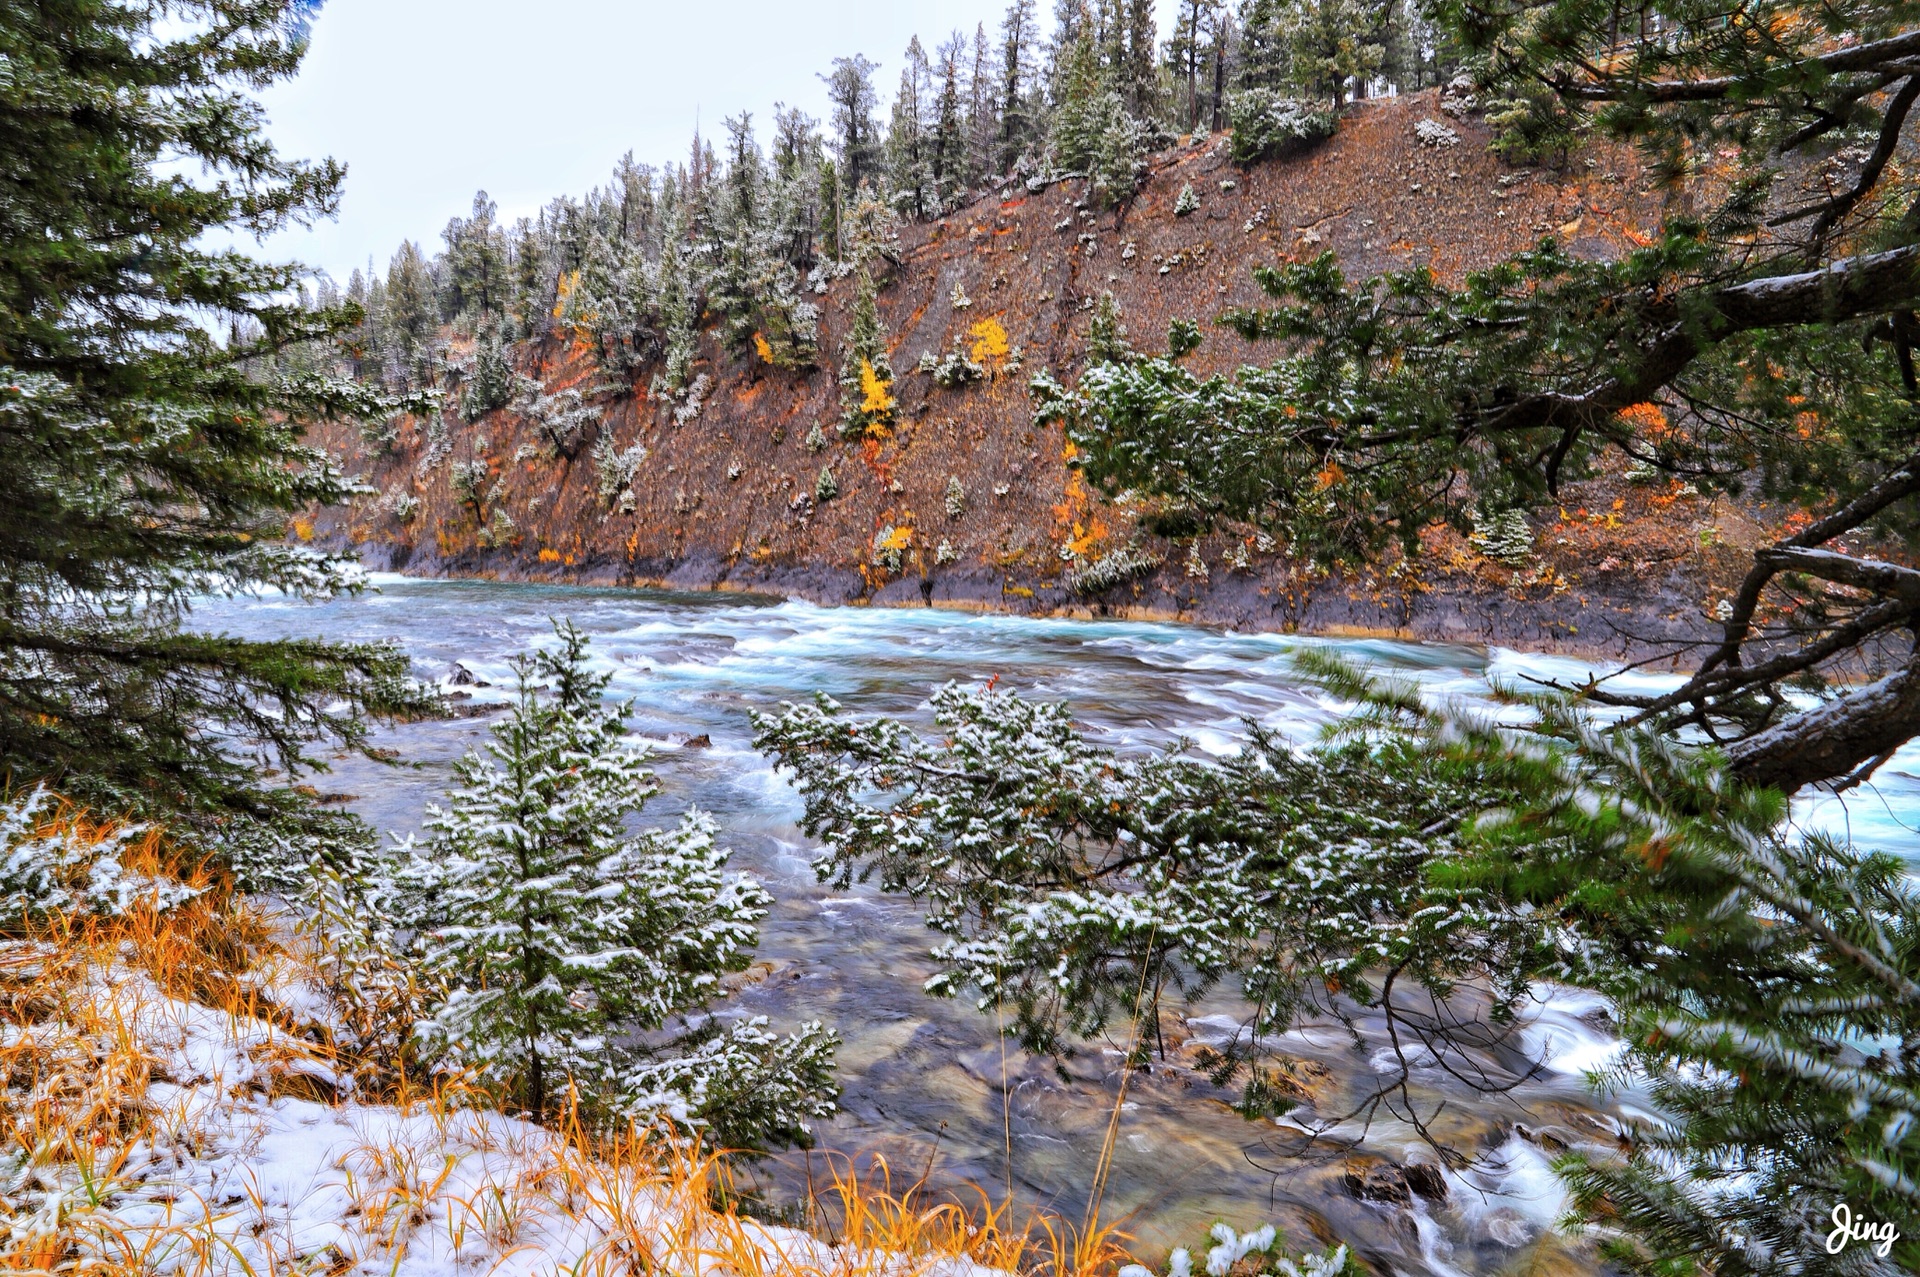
(649, 382)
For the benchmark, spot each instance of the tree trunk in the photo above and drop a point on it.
(1834, 741)
(1219, 75)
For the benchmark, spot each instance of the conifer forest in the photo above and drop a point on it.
(1279, 636)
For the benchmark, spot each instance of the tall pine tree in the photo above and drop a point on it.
(148, 463)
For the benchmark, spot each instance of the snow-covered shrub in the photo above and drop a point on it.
(1187, 203)
(380, 434)
(574, 955)
(816, 440)
(1183, 338)
(564, 419)
(60, 866)
(824, 272)
(1106, 334)
(944, 554)
(403, 505)
(1267, 125)
(1255, 1254)
(694, 402)
(1502, 535)
(1458, 97)
(373, 994)
(953, 369)
(1195, 566)
(958, 296)
(613, 468)
(465, 479)
(956, 498)
(501, 530)
(439, 444)
(1111, 569)
(826, 487)
(890, 545)
(1434, 133)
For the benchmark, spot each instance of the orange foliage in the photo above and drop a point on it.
(1645, 417)
(877, 395)
(989, 341)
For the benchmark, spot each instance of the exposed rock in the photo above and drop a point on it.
(1374, 1179)
(1426, 1181)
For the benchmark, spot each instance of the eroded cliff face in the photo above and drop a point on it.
(725, 498)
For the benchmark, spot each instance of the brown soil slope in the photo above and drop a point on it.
(725, 499)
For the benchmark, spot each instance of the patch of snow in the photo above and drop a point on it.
(238, 1171)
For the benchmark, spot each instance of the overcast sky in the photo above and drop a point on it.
(426, 101)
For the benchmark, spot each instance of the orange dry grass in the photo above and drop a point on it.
(76, 1072)
(668, 1200)
(422, 1183)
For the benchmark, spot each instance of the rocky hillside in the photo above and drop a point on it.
(966, 503)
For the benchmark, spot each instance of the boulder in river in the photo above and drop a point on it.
(1375, 1179)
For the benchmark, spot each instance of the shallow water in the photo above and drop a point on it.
(926, 1081)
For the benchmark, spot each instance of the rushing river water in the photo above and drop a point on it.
(926, 1081)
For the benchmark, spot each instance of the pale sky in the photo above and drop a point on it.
(426, 101)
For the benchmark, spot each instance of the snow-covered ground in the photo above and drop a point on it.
(154, 1134)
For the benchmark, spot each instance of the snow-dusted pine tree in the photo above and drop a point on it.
(572, 954)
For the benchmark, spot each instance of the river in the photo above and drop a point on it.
(927, 1084)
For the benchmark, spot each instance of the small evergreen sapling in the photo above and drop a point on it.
(1106, 334)
(614, 467)
(956, 497)
(491, 385)
(1502, 535)
(571, 954)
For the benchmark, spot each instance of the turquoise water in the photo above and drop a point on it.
(926, 1081)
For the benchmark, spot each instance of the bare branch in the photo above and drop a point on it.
(1872, 56)
(1873, 575)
